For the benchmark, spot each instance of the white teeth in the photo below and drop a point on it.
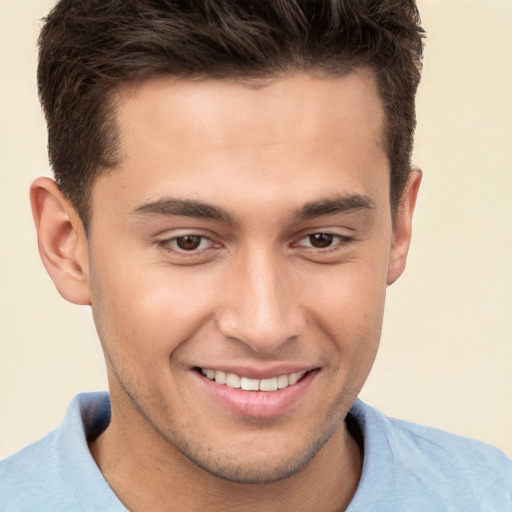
(250, 384)
(220, 377)
(282, 381)
(294, 377)
(268, 384)
(232, 380)
(235, 381)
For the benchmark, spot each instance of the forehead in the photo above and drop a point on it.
(250, 138)
(279, 110)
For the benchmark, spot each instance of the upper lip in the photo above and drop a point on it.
(260, 373)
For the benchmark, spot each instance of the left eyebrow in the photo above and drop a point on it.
(331, 206)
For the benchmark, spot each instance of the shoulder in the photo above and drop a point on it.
(57, 472)
(32, 476)
(425, 466)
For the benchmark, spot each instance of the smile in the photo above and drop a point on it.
(234, 381)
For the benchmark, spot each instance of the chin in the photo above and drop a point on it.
(257, 467)
(261, 472)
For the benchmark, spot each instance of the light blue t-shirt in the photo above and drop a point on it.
(406, 467)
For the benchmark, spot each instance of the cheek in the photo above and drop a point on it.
(356, 287)
(348, 304)
(354, 319)
(144, 316)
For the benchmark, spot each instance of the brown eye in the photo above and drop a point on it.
(189, 242)
(321, 240)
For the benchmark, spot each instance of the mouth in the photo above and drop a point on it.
(234, 381)
(246, 396)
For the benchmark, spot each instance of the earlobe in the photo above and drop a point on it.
(403, 227)
(61, 240)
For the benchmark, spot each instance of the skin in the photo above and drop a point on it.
(253, 173)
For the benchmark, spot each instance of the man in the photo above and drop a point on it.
(233, 195)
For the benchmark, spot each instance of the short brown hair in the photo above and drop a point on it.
(89, 48)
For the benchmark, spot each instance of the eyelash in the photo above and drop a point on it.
(170, 244)
(337, 239)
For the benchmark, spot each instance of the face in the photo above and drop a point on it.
(238, 262)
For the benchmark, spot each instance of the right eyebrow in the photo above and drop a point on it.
(185, 208)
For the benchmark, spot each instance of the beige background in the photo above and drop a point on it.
(446, 355)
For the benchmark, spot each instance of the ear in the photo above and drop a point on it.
(61, 240)
(403, 227)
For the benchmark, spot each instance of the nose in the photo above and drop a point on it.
(260, 308)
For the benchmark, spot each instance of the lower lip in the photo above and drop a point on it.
(258, 404)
